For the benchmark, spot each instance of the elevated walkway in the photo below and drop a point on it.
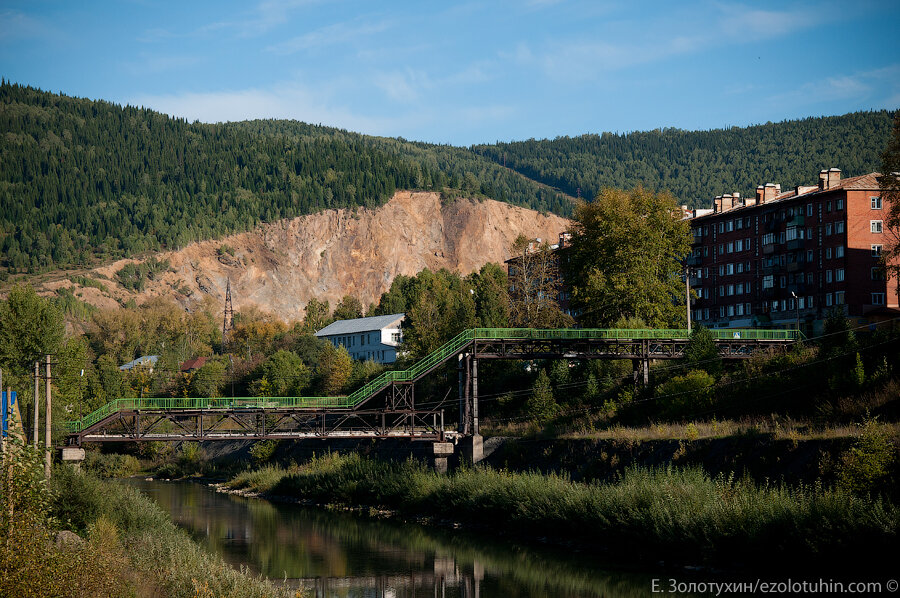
(243, 417)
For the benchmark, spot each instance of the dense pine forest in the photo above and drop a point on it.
(695, 166)
(83, 181)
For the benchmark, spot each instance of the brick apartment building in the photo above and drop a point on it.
(780, 258)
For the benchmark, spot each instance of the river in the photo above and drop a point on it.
(346, 555)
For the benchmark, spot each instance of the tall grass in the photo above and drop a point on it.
(162, 556)
(671, 514)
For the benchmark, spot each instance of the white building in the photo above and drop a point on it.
(375, 338)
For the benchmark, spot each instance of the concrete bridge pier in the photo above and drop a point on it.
(471, 449)
(73, 455)
(440, 455)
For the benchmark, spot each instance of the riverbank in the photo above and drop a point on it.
(80, 536)
(161, 557)
(679, 516)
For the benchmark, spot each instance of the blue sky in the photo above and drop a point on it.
(464, 73)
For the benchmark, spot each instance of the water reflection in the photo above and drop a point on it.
(344, 555)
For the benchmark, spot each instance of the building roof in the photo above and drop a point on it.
(361, 325)
(146, 360)
(193, 364)
(857, 183)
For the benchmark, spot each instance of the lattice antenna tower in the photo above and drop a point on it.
(228, 322)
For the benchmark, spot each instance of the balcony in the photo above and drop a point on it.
(798, 288)
(694, 261)
(796, 244)
(796, 221)
(795, 266)
(773, 269)
(769, 249)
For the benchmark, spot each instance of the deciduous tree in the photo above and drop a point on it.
(625, 258)
(534, 284)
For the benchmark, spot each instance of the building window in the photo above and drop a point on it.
(730, 310)
(829, 300)
(809, 256)
(768, 281)
(828, 253)
(839, 227)
(782, 281)
(839, 275)
(729, 269)
(827, 229)
(878, 274)
(876, 250)
(721, 227)
(722, 291)
(706, 313)
(721, 311)
(828, 206)
(839, 251)
(740, 267)
(731, 248)
(877, 298)
(829, 275)
(730, 290)
(876, 202)
(768, 239)
(839, 298)
(809, 209)
(739, 309)
(876, 226)
(730, 225)
(721, 269)
(839, 205)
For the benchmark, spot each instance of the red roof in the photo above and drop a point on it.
(194, 364)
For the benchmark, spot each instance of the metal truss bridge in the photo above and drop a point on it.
(385, 406)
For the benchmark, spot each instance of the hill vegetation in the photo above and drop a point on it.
(695, 166)
(83, 181)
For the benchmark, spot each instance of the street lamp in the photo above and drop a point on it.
(797, 306)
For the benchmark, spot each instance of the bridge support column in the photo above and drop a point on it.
(641, 371)
(441, 452)
(475, 429)
(472, 449)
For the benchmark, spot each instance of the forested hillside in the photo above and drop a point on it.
(82, 180)
(698, 165)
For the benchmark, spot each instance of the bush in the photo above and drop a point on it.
(867, 465)
(686, 395)
(111, 465)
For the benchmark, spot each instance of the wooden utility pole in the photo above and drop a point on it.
(37, 405)
(48, 456)
(3, 410)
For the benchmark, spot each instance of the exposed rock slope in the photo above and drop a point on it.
(280, 266)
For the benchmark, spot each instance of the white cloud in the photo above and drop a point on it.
(879, 87)
(339, 33)
(581, 59)
(16, 25)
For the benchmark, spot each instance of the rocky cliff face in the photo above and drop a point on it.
(280, 266)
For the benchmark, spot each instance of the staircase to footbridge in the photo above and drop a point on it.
(386, 406)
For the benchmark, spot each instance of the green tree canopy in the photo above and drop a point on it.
(30, 327)
(348, 309)
(625, 258)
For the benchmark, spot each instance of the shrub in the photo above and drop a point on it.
(865, 467)
(685, 395)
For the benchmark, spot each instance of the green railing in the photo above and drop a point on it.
(449, 349)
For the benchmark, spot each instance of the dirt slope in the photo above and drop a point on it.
(280, 266)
